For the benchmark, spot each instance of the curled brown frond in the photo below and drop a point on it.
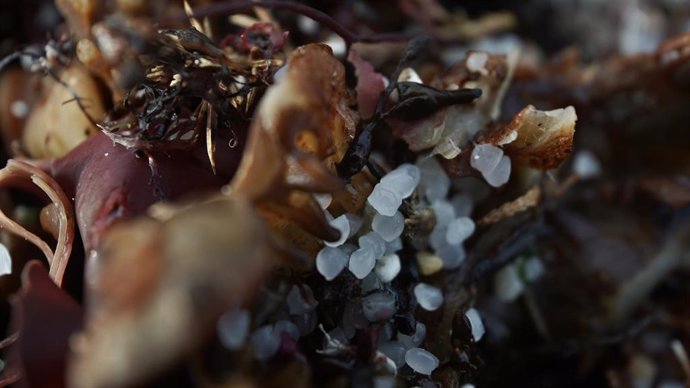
(60, 216)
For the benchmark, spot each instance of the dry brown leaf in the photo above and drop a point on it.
(302, 128)
(184, 271)
(543, 139)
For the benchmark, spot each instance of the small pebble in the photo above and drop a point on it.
(428, 263)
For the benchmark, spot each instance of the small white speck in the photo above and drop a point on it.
(19, 108)
(307, 25)
(586, 165)
(5, 261)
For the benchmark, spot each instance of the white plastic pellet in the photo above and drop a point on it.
(264, 342)
(5, 261)
(387, 268)
(395, 351)
(459, 230)
(421, 361)
(347, 224)
(434, 181)
(389, 228)
(443, 211)
(475, 323)
(507, 283)
(331, 261)
(286, 327)
(233, 327)
(393, 246)
(428, 296)
(501, 174)
(485, 158)
(451, 255)
(378, 306)
(586, 165)
(298, 303)
(403, 180)
(373, 241)
(362, 262)
(416, 339)
(384, 201)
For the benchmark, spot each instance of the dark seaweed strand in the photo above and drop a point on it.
(229, 8)
(357, 155)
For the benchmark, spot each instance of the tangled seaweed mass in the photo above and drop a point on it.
(411, 193)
